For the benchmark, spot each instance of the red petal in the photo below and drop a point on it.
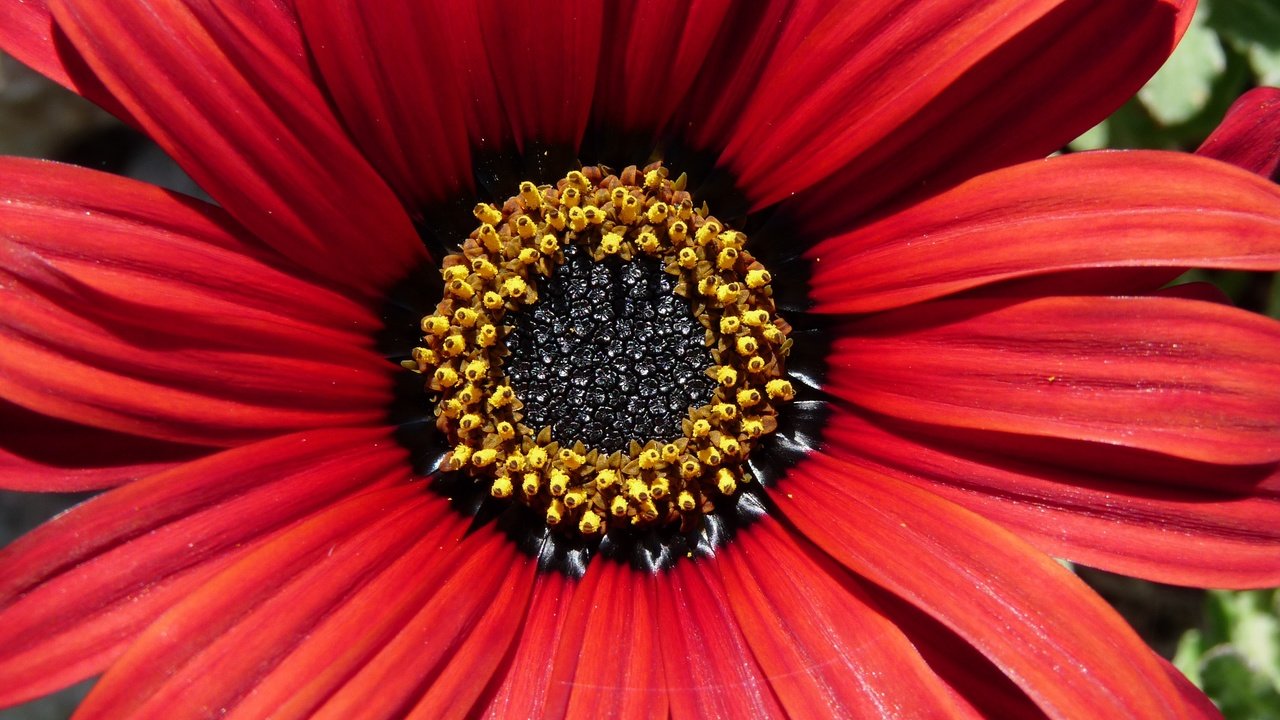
(240, 115)
(455, 690)
(111, 232)
(139, 311)
(391, 70)
(1249, 136)
(40, 453)
(708, 661)
(654, 53)
(1035, 620)
(608, 655)
(752, 35)
(312, 667)
(1187, 378)
(295, 620)
(980, 84)
(1184, 523)
(28, 32)
(711, 671)
(414, 80)
(1198, 704)
(827, 651)
(826, 648)
(524, 685)
(544, 56)
(75, 592)
(487, 595)
(182, 664)
(975, 679)
(1088, 210)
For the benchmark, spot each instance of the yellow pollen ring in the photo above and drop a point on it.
(576, 489)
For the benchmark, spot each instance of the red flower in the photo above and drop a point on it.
(995, 376)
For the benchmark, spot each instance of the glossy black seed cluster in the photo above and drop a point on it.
(608, 354)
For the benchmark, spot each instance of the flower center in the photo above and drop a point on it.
(608, 354)
(605, 353)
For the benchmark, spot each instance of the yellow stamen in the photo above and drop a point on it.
(520, 242)
(611, 243)
(779, 388)
(501, 487)
(590, 523)
(484, 458)
(487, 214)
(530, 195)
(619, 506)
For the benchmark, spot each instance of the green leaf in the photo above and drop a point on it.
(1095, 138)
(1257, 633)
(1240, 691)
(1256, 22)
(1252, 26)
(1265, 63)
(1183, 86)
(1190, 652)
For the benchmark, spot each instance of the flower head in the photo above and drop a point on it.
(543, 360)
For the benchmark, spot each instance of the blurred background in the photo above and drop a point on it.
(1226, 642)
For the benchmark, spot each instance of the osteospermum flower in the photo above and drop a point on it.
(623, 359)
